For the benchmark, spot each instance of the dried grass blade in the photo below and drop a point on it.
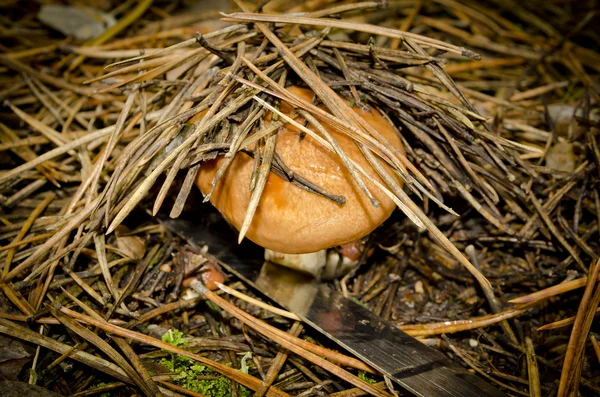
(44, 249)
(113, 139)
(335, 10)
(535, 389)
(361, 27)
(154, 54)
(277, 364)
(145, 186)
(554, 230)
(240, 141)
(551, 291)
(442, 76)
(132, 68)
(206, 119)
(446, 327)
(43, 99)
(186, 188)
(183, 44)
(17, 299)
(137, 364)
(293, 344)
(53, 81)
(482, 210)
(173, 171)
(59, 252)
(443, 240)
(25, 228)
(94, 339)
(256, 302)
(125, 21)
(196, 56)
(338, 150)
(23, 333)
(100, 134)
(264, 171)
(27, 154)
(571, 375)
(82, 305)
(323, 142)
(99, 243)
(561, 323)
(84, 286)
(240, 377)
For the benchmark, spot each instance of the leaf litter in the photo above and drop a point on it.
(497, 107)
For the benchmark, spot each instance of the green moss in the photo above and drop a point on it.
(193, 376)
(574, 93)
(105, 394)
(174, 337)
(359, 302)
(363, 375)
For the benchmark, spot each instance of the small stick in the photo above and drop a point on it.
(535, 389)
(256, 302)
(360, 27)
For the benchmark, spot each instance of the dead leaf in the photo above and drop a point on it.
(20, 389)
(82, 23)
(13, 356)
(133, 247)
(561, 157)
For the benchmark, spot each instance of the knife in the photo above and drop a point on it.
(415, 367)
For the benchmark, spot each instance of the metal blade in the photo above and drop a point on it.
(414, 366)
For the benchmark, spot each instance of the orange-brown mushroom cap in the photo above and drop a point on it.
(290, 219)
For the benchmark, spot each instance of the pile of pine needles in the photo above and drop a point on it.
(500, 175)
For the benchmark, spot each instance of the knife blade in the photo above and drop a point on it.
(417, 368)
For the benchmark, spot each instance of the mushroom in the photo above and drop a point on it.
(211, 276)
(294, 225)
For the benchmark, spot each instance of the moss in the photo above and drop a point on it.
(363, 375)
(193, 376)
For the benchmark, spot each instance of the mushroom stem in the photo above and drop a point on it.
(323, 264)
(312, 263)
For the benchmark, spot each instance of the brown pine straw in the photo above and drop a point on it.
(256, 302)
(534, 226)
(377, 30)
(572, 365)
(341, 109)
(551, 291)
(596, 346)
(561, 323)
(522, 303)
(535, 389)
(238, 376)
(297, 345)
(148, 388)
(446, 327)
(98, 363)
(331, 355)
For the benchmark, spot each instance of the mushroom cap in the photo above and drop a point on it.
(289, 219)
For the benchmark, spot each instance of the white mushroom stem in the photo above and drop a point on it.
(312, 263)
(322, 264)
